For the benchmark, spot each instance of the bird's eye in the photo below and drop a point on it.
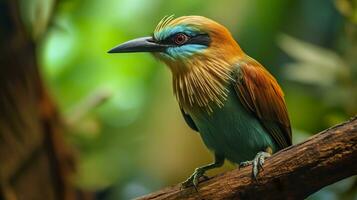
(180, 38)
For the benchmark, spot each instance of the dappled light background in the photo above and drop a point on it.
(119, 110)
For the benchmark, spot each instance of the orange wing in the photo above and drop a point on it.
(260, 93)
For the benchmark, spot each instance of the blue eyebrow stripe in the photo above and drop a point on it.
(169, 31)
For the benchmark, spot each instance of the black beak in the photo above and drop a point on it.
(143, 44)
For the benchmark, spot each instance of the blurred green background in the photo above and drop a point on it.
(119, 110)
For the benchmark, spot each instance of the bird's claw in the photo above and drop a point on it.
(194, 179)
(257, 163)
(245, 163)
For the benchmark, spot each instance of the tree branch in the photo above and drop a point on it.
(292, 173)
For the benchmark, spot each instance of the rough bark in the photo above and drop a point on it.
(34, 160)
(292, 173)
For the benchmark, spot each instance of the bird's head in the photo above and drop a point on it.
(186, 42)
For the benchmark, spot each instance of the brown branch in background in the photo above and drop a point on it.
(35, 162)
(292, 173)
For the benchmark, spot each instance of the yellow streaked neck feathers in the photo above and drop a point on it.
(203, 85)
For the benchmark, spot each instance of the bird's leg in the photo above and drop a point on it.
(200, 171)
(258, 161)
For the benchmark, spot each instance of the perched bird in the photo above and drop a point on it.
(234, 103)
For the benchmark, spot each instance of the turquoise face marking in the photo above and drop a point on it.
(183, 51)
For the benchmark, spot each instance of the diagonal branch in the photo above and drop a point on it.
(292, 173)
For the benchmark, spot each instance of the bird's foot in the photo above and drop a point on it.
(257, 163)
(200, 172)
(245, 163)
(194, 178)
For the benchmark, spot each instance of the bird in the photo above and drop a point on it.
(229, 98)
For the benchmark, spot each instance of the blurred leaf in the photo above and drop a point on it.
(348, 8)
(315, 65)
(95, 99)
(36, 15)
